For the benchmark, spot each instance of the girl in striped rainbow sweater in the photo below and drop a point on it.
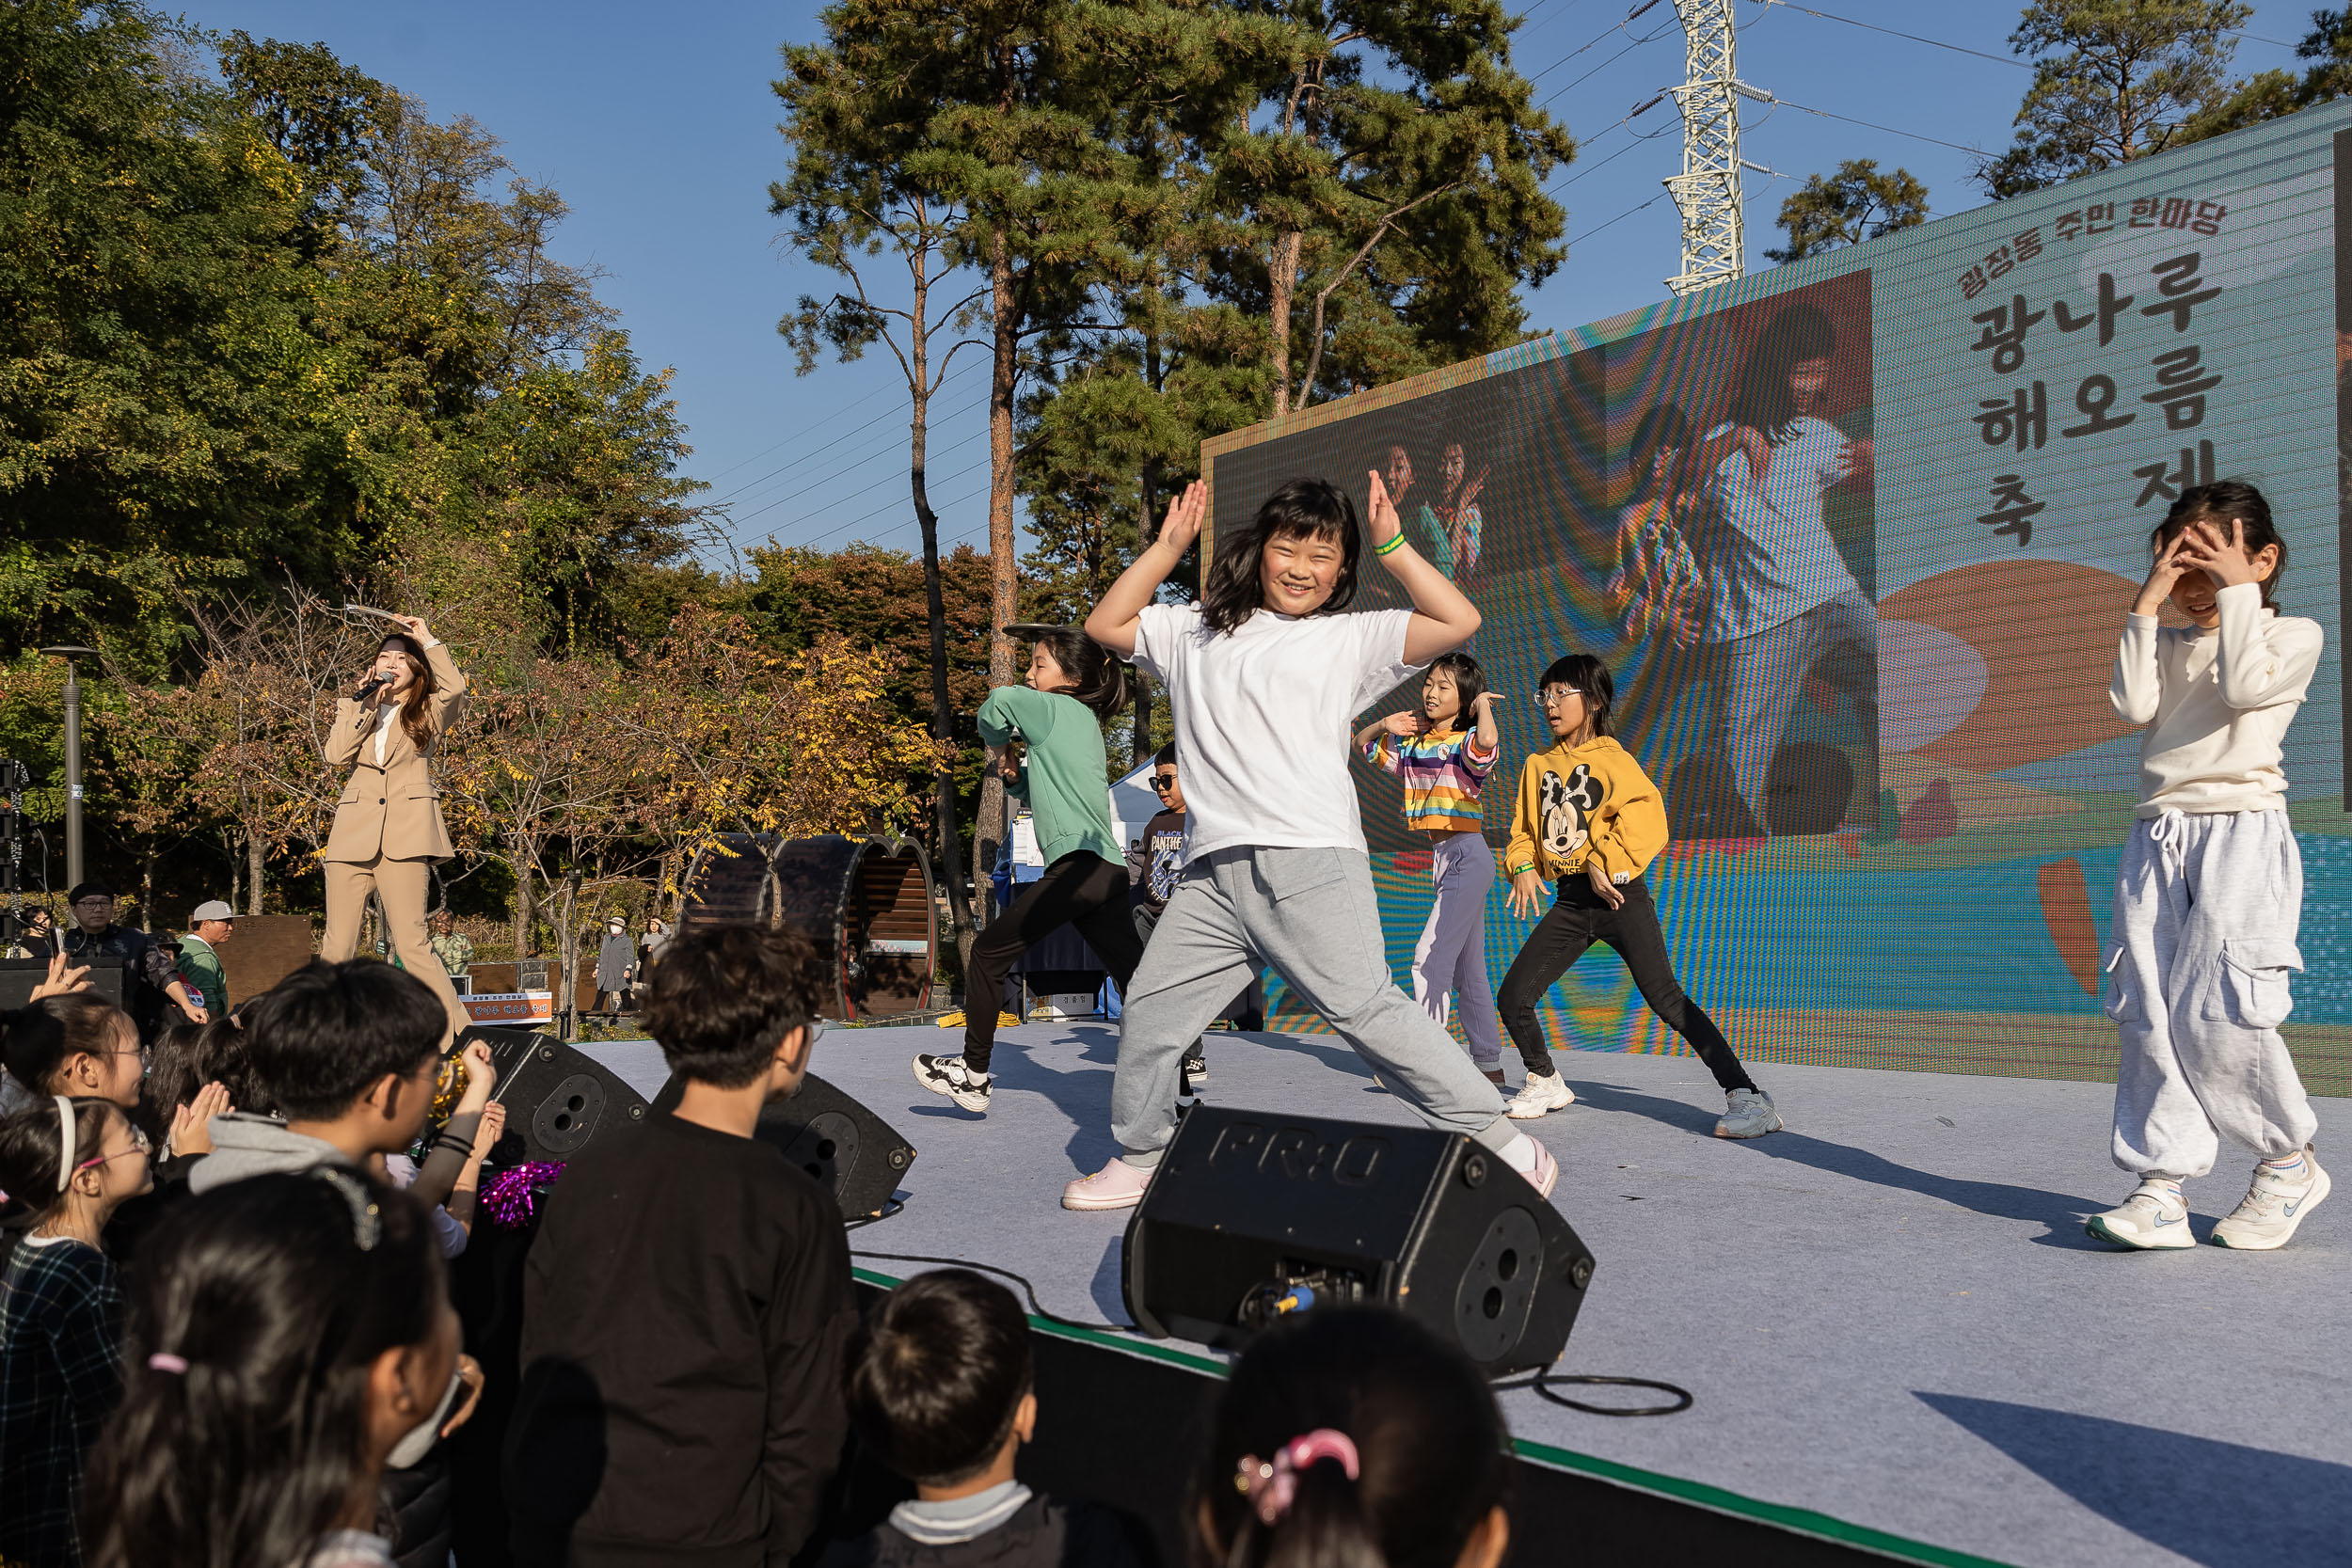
(1443, 752)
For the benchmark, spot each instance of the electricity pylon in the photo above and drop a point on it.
(1707, 190)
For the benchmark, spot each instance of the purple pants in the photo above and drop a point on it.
(1452, 954)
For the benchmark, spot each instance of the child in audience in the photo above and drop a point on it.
(686, 1301)
(289, 1336)
(940, 1388)
(1352, 1436)
(1589, 820)
(64, 978)
(1155, 864)
(69, 1164)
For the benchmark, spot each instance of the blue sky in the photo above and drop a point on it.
(657, 125)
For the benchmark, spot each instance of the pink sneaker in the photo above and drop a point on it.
(1116, 1185)
(1546, 1175)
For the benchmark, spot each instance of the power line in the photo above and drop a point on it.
(742, 492)
(1646, 37)
(1872, 125)
(1897, 32)
(1577, 239)
(795, 436)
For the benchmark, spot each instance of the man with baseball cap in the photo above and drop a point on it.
(212, 924)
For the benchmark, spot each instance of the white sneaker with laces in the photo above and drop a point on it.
(2274, 1206)
(947, 1075)
(2153, 1219)
(1539, 1096)
(1748, 1113)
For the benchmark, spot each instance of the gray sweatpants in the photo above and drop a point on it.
(1310, 916)
(2198, 961)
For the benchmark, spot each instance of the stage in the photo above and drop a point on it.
(1898, 1335)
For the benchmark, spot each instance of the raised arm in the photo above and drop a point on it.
(2139, 684)
(1114, 620)
(1443, 617)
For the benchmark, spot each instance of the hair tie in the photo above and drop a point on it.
(65, 1144)
(1271, 1488)
(162, 1362)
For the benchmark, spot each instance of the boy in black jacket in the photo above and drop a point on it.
(687, 1303)
(939, 1386)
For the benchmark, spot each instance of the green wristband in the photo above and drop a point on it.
(1383, 549)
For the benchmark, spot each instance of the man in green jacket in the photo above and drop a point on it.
(212, 924)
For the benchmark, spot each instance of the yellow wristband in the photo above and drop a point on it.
(1383, 549)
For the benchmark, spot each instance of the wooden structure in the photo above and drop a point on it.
(867, 903)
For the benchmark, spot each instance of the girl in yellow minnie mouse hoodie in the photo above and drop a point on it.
(1589, 819)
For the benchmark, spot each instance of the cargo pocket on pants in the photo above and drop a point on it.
(2120, 1000)
(2254, 981)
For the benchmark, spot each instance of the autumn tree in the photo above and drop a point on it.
(1854, 204)
(2114, 80)
(2273, 94)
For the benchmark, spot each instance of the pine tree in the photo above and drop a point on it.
(1854, 204)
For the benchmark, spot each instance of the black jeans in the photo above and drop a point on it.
(1080, 889)
(1578, 919)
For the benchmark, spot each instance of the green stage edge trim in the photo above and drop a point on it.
(1802, 1521)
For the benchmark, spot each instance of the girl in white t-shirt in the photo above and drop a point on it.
(1265, 679)
(2209, 891)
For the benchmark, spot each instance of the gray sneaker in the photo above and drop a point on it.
(2153, 1219)
(2274, 1206)
(1749, 1114)
(947, 1075)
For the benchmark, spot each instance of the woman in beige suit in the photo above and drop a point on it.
(388, 833)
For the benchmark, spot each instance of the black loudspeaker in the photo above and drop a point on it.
(556, 1099)
(1253, 1214)
(18, 977)
(851, 1152)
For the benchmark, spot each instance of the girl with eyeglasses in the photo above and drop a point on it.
(69, 1164)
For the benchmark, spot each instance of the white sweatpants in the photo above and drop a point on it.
(1452, 954)
(2198, 961)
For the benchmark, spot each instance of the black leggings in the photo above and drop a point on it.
(1080, 889)
(1578, 919)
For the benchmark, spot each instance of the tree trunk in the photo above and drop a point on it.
(229, 843)
(567, 966)
(255, 862)
(949, 840)
(524, 912)
(1282, 284)
(1003, 568)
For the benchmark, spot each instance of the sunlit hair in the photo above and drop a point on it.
(1589, 675)
(1097, 679)
(2231, 499)
(1760, 398)
(415, 715)
(1301, 509)
(1469, 682)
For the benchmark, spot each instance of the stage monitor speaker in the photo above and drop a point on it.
(556, 1099)
(18, 977)
(1256, 1214)
(850, 1151)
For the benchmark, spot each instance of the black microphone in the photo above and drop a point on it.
(374, 680)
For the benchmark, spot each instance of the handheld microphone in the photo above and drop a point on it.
(374, 680)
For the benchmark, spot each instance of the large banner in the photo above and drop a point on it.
(1857, 537)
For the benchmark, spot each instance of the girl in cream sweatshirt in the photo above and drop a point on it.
(2209, 891)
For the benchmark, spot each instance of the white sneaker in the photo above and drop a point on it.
(1539, 1096)
(2152, 1219)
(947, 1075)
(2274, 1206)
(1749, 1114)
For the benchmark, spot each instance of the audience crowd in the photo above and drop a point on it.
(231, 1332)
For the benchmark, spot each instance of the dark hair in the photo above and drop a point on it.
(1664, 427)
(936, 1375)
(32, 1145)
(88, 889)
(1469, 681)
(1301, 509)
(415, 717)
(1096, 678)
(278, 1292)
(44, 1037)
(1590, 677)
(327, 1033)
(187, 1057)
(1429, 1441)
(2226, 502)
(1164, 757)
(1760, 398)
(723, 997)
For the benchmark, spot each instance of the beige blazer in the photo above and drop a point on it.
(394, 810)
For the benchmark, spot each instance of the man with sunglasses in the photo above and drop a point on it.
(1155, 865)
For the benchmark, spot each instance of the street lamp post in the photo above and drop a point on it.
(73, 760)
